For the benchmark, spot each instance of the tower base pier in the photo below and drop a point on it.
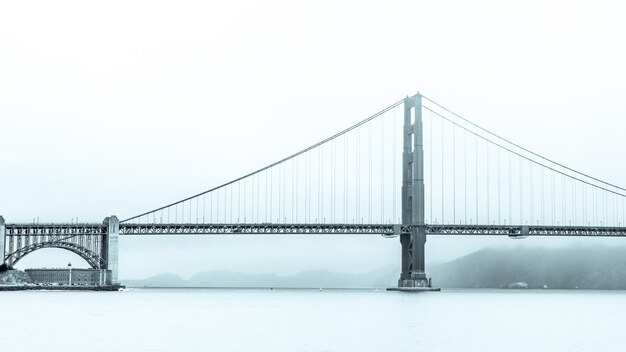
(414, 282)
(414, 289)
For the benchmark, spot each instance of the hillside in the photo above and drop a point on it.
(309, 279)
(567, 268)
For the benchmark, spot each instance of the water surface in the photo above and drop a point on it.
(312, 320)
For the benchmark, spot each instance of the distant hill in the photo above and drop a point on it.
(310, 279)
(590, 267)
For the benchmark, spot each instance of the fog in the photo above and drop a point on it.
(124, 106)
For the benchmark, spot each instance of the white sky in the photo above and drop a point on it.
(122, 106)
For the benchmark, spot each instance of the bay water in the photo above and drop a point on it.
(313, 320)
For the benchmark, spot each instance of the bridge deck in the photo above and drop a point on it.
(522, 231)
(310, 229)
(263, 229)
(54, 229)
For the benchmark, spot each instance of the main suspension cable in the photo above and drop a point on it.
(535, 161)
(362, 122)
(520, 147)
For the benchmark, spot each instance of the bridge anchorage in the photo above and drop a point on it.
(454, 178)
(97, 244)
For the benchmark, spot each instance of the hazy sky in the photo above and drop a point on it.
(119, 107)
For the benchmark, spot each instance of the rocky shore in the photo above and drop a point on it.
(14, 277)
(34, 287)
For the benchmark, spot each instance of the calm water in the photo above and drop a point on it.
(310, 320)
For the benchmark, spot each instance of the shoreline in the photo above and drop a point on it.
(60, 288)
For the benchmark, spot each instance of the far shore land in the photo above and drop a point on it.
(583, 268)
(575, 268)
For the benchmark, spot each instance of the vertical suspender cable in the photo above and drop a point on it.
(369, 179)
(297, 201)
(306, 188)
(454, 174)
(332, 181)
(283, 192)
(321, 184)
(476, 171)
(284, 219)
(255, 206)
(382, 171)
(620, 221)
(488, 184)
(574, 205)
(510, 191)
(614, 212)
(309, 173)
(563, 199)
(521, 191)
(499, 190)
(345, 180)
(280, 190)
(394, 154)
(358, 176)
(606, 209)
(584, 205)
(542, 199)
(595, 206)
(553, 199)
(532, 195)
(443, 164)
(431, 147)
(293, 191)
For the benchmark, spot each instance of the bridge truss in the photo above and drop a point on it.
(85, 235)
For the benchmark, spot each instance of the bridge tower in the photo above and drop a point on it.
(413, 275)
(110, 247)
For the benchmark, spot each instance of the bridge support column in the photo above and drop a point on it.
(413, 275)
(2, 239)
(110, 247)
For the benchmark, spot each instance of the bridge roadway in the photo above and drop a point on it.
(387, 230)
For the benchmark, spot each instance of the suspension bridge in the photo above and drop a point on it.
(412, 170)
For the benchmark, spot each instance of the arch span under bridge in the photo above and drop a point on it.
(412, 170)
(97, 244)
